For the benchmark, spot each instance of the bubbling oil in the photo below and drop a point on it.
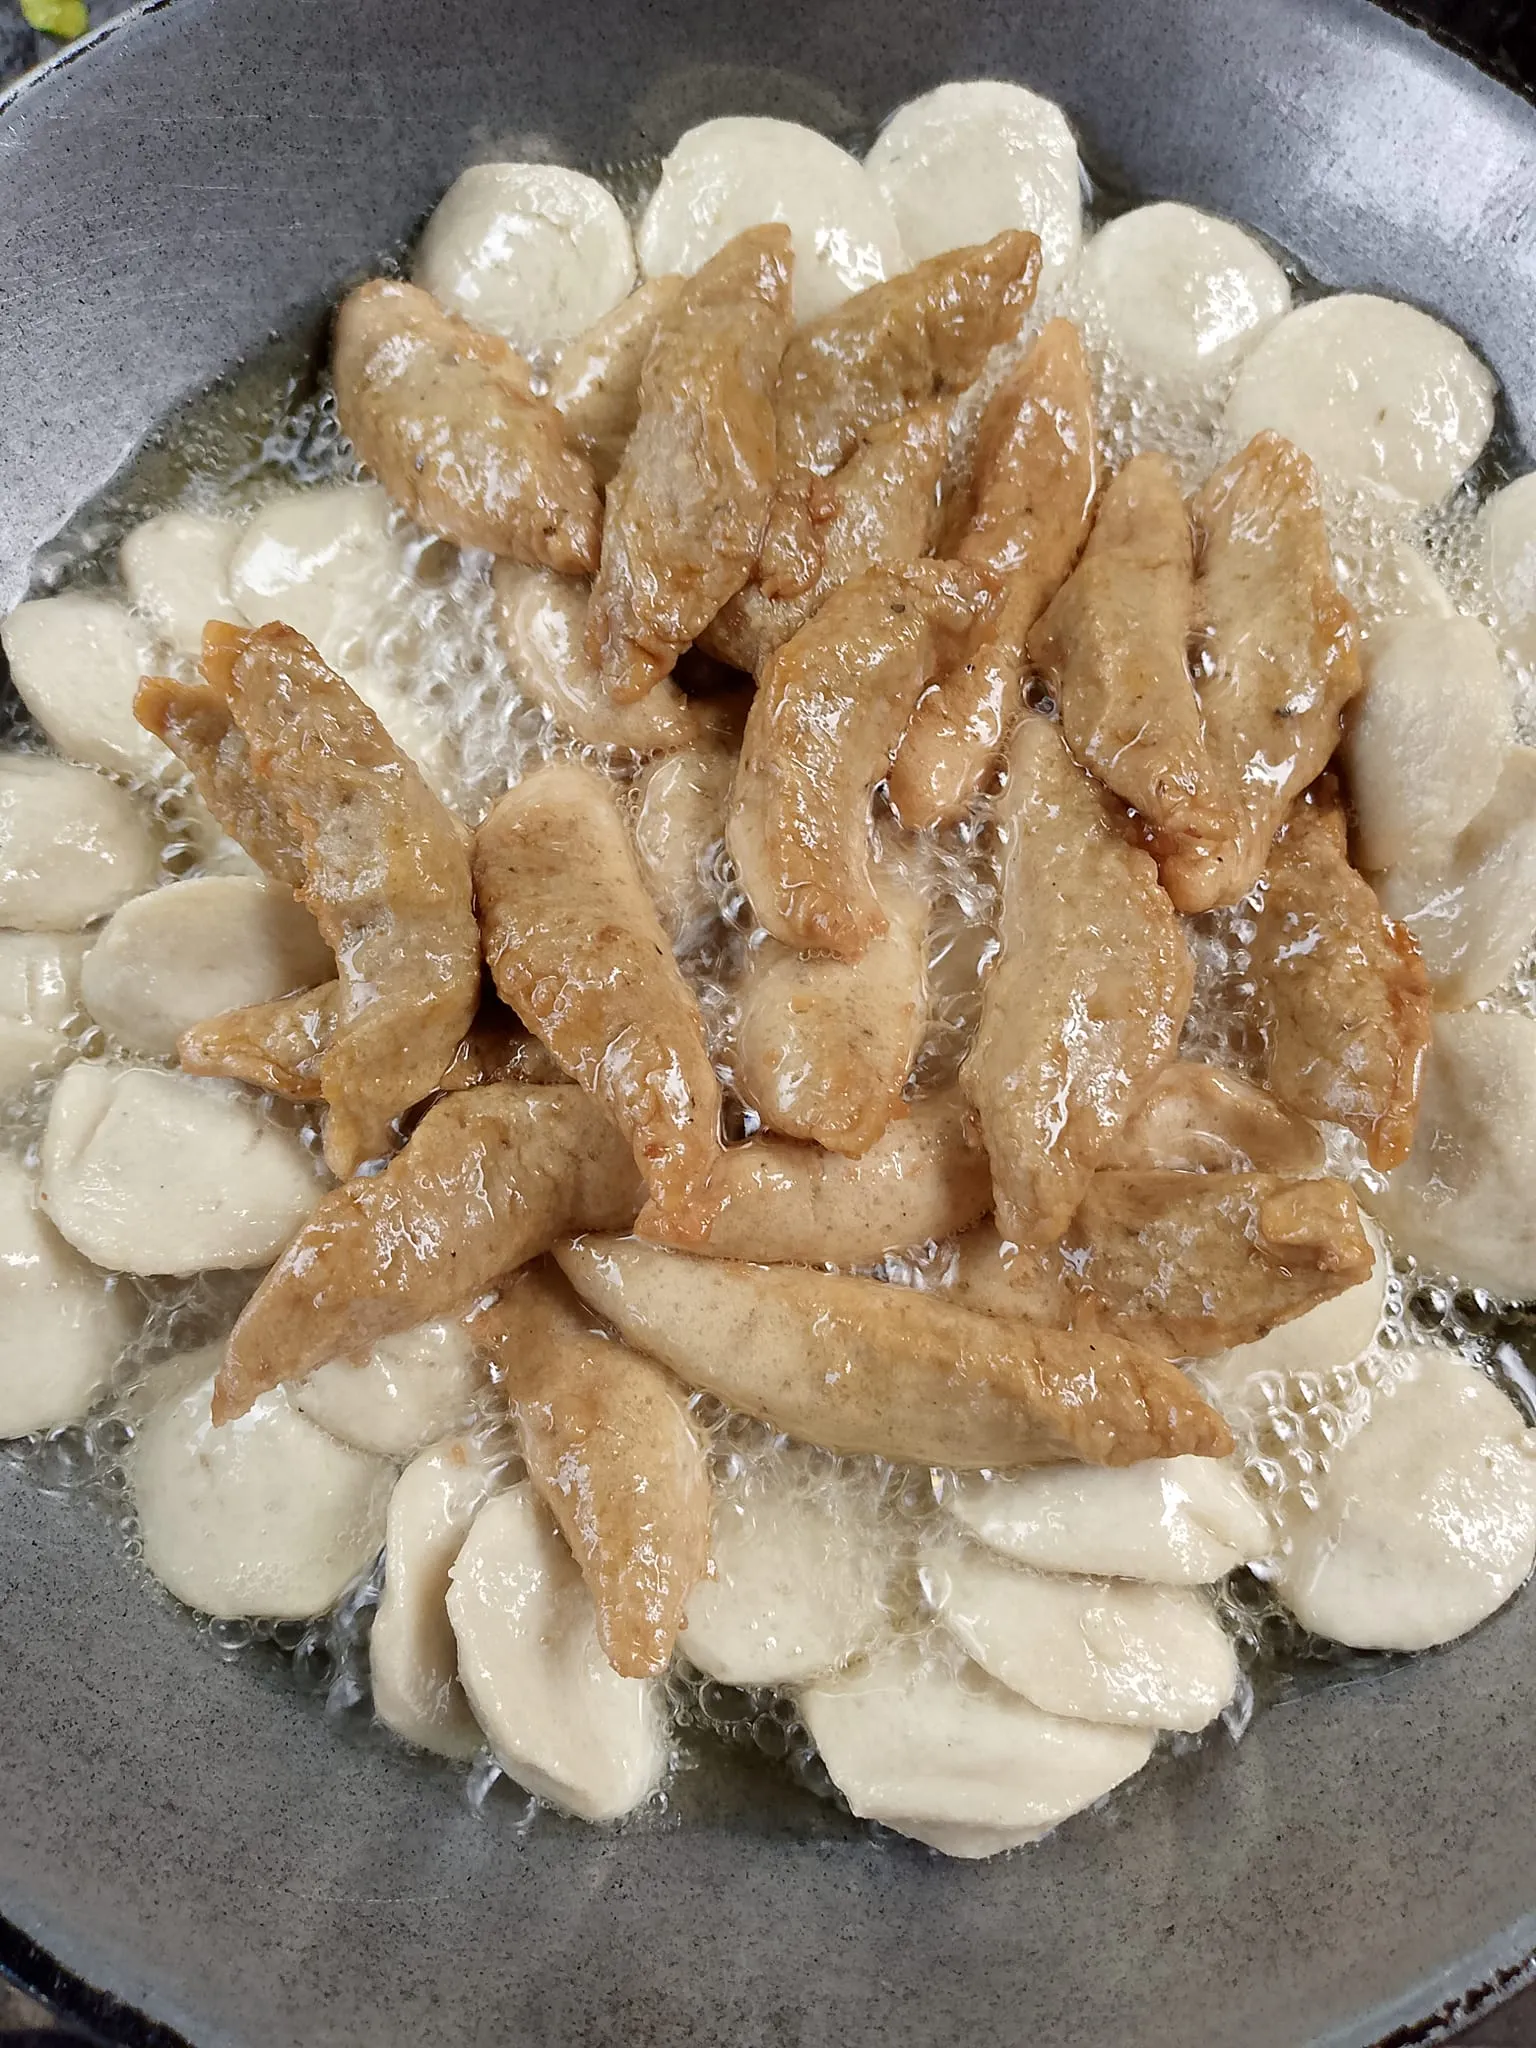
(273, 429)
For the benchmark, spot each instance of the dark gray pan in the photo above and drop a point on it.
(193, 1838)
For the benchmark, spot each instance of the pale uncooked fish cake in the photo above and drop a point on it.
(76, 660)
(175, 568)
(556, 1714)
(1173, 1521)
(408, 1391)
(413, 1658)
(1182, 295)
(40, 976)
(266, 1517)
(63, 1324)
(150, 1172)
(73, 845)
(742, 170)
(1508, 529)
(1382, 397)
(535, 252)
(919, 1738)
(971, 159)
(1111, 1650)
(1426, 1518)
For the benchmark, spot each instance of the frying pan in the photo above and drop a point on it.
(192, 1837)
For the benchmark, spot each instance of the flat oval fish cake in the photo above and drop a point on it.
(920, 336)
(576, 948)
(1020, 523)
(685, 512)
(446, 417)
(1085, 1003)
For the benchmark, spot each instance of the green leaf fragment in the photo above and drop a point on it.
(65, 19)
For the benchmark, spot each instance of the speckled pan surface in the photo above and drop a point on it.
(197, 1841)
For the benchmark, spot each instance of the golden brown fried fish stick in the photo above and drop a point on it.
(924, 1178)
(685, 513)
(596, 389)
(1201, 1261)
(997, 1278)
(386, 875)
(1204, 1119)
(608, 1444)
(824, 1047)
(1088, 995)
(859, 1366)
(445, 416)
(490, 1178)
(1281, 660)
(1114, 645)
(1342, 996)
(280, 1047)
(879, 510)
(919, 336)
(1020, 523)
(196, 723)
(576, 948)
(830, 709)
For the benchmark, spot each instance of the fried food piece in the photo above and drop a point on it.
(686, 509)
(830, 708)
(919, 336)
(280, 1046)
(1114, 645)
(386, 876)
(781, 1203)
(1342, 995)
(1020, 522)
(1085, 1002)
(490, 1178)
(1198, 1262)
(1204, 1119)
(1281, 661)
(997, 1278)
(824, 1047)
(608, 1444)
(683, 804)
(859, 1366)
(576, 948)
(596, 388)
(445, 416)
(879, 510)
(196, 723)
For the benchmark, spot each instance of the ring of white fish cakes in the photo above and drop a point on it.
(446, 418)
(1379, 395)
(830, 709)
(386, 875)
(607, 1441)
(534, 252)
(490, 1178)
(576, 949)
(595, 386)
(921, 336)
(860, 1366)
(1020, 521)
(975, 157)
(732, 173)
(1182, 294)
(685, 511)
(824, 1046)
(1084, 1004)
